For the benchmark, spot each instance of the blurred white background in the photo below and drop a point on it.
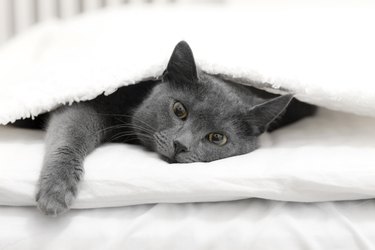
(18, 15)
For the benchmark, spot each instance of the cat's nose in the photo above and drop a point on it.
(179, 147)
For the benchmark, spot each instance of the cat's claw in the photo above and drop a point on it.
(54, 203)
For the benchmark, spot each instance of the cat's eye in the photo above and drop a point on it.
(217, 138)
(179, 110)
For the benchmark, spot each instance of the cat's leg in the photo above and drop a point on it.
(72, 133)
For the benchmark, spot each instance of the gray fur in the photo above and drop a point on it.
(72, 134)
(213, 105)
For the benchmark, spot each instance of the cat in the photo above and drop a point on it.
(186, 116)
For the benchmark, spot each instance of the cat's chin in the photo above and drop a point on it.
(172, 160)
(185, 159)
(167, 159)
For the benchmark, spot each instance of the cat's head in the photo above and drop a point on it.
(193, 116)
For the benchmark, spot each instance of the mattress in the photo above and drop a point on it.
(245, 224)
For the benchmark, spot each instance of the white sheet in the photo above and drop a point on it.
(248, 224)
(327, 157)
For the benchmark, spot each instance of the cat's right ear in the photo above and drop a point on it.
(262, 115)
(181, 67)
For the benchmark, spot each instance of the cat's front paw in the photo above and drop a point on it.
(55, 199)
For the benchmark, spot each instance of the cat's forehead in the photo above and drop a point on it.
(215, 96)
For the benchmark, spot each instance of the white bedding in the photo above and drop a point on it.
(241, 225)
(327, 157)
(320, 55)
(327, 61)
(324, 56)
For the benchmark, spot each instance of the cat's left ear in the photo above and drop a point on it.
(181, 67)
(262, 115)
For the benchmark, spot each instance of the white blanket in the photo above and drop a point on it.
(323, 58)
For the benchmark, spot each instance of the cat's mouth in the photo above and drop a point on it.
(168, 159)
(179, 159)
(175, 159)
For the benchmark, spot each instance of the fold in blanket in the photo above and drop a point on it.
(325, 61)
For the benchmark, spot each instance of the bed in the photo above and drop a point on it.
(245, 224)
(309, 186)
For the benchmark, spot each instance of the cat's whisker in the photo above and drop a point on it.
(105, 129)
(119, 135)
(143, 123)
(135, 127)
(137, 119)
(125, 125)
(129, 116)
(142, 129)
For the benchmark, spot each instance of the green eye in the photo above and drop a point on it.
(217, 138)
(180, 110)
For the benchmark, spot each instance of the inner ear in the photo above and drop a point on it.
(262, 115)
(181, 67)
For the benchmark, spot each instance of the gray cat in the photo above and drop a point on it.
(187, 116)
